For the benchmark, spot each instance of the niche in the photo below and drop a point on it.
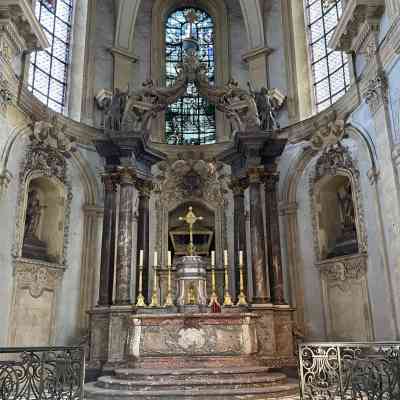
(203, 230)
(336, 215)
(44, 220)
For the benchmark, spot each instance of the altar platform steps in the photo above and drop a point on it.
(200, 384)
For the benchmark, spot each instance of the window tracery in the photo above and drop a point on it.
(48, 72)
(329, 68)
(191, 120)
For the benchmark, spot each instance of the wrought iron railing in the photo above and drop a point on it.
(349, 371)
(45, 373)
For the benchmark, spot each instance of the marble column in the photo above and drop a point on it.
(144, 188)
(124, 243)
(273, 237)
(261, 287)
(110, 181)
(238, 188)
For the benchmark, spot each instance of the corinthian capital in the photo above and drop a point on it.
(376, 92)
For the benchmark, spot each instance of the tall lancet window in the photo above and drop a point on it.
(191, 120)
(330, 68)
(48, 73)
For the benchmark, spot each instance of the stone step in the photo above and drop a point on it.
(93, 392)
(144, 373)
(193, 382)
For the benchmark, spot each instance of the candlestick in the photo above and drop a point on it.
(214, 295)
(242, 297)
(154, 296)
(141, 258)
(155, 259)
(169, 259)
(169, 301)
(140, 299)
(227, 296)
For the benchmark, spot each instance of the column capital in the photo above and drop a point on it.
(271, 180)
(238, 186)
(144, 186)
(110, 180)
(376, 92)
(126, 175)
(255, 174)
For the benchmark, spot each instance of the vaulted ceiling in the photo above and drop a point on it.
(127, 11)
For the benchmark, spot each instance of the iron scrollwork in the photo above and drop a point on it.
(349, 371)
(42, 373)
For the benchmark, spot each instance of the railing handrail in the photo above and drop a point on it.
(351, 369)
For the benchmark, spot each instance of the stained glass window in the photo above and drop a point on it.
(48, 71)
(330, 68)
(191, 120)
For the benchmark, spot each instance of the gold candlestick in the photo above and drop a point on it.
(227, 296)
(242, 297)
(214, 295)
(154, 296)
(140, 299)
(169, 301)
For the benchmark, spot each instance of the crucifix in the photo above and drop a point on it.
(190, 218)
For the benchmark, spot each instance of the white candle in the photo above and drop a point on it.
(225, 257)
(241, 258)
(155, 258)
(141, 258)
(169, 259)
(213, 258)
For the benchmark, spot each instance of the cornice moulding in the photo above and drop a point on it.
(359, 18)
(256, 53)
(21, 10)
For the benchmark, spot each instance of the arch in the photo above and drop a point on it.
(253, 20)
(128, 11)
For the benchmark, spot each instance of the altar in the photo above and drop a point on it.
(194, 315)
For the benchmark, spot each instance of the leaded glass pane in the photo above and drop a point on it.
(330, 68)
(48, 72)
(191, 120)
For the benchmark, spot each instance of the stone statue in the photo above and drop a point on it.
(345, 199)
(113, 110)
(33, 214)
(268, 105)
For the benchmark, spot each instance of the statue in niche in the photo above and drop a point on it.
(346, 243)
(33, 247)
(33, 215)
(347, 213)
(268, 102)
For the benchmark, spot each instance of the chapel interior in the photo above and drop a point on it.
(192, 190)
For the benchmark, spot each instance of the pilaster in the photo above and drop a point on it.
(257, 60)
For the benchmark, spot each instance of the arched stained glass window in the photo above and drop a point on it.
(330, 68)
(191, 120)
(48, 73)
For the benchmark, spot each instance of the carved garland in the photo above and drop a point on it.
(336, 160)
(45, 157)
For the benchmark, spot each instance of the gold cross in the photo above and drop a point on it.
(190, 218)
